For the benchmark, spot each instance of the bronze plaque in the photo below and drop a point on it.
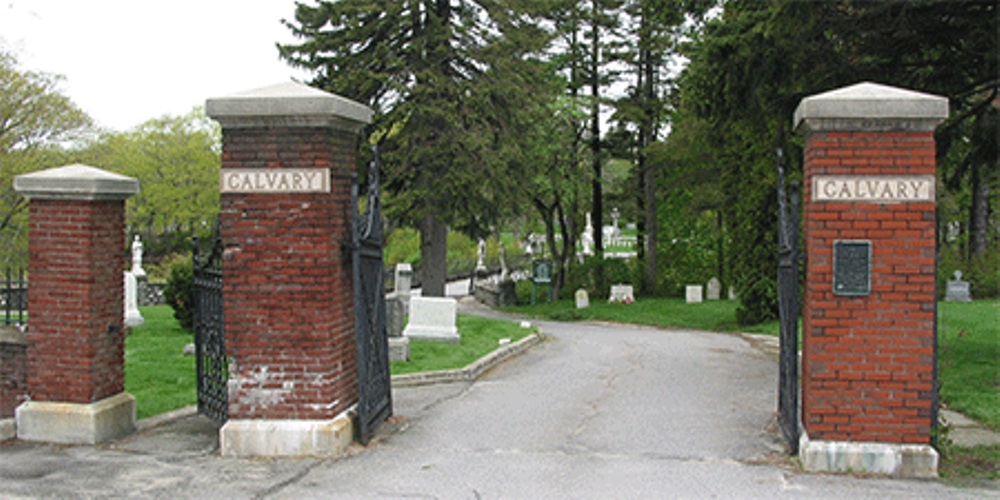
(852, 268)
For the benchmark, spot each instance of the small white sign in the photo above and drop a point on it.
(274, 180)
(873, 188)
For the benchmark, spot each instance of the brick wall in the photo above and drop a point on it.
(288, 290)
(868, 365)
(76, 344)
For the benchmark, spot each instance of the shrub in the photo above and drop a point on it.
(596, 275)
(179, 292)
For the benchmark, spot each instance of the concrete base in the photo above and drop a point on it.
(287, 438)
(74, 423)
(898, 460)
(399, 349)
(7, 429)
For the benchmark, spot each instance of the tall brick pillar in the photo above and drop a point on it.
(288, 153)
(869, 310)
(76, 343)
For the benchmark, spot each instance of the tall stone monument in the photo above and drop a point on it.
(288, 154)
(868, 365)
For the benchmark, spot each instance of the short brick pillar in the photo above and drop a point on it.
(288, 155)
(75, 338)
(869, 311)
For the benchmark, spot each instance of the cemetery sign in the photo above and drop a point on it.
(873, 188)
(273, 180)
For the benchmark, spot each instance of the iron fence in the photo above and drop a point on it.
(14, 298)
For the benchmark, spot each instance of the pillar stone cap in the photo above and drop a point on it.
(288, 104)
(75, 182)
(871, 106)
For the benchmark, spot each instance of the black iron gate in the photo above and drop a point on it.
(209, 334)
(374, 379)
(788, 305)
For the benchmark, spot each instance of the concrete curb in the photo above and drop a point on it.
(165, 418)
(473, 370)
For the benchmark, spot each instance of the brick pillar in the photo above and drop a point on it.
(287, 158)
(869, 310)
(76, 343)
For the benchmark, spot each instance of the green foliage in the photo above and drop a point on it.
(36, 119)
(480, 336)
(402, 246)
(596, 275)
(157, 372)
(179, 292)
(176, 160)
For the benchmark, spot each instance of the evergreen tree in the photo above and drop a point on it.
(447, 79)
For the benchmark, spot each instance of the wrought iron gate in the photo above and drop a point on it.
(788, 305)
(209, 334)
(374, 379)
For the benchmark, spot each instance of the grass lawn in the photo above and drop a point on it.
(480, 336)
(157, 372)
(716, 315)
(969, 358)
(162, 378)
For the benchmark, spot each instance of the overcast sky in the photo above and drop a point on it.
(126, 61)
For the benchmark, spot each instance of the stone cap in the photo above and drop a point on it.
(871, 106)
(289, 104)
(75, 182)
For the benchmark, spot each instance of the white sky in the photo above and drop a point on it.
(127, 61)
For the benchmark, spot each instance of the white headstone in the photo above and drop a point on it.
(582, 299)
(587, 239)
(713, 289)
(958, 290)
(404, 277)
(132, 315)
(622, 294)
(481, 256)
(137, 258)
(693, 294)
(432, 318)
(732, 293)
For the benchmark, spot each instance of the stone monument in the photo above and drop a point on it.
(958, 290)
(433, 319)
(582, 299)
(713, 289)
(693, 294)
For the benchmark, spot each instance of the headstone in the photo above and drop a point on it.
(587, 239)
(732, 293)
(503, 263)
(958, 290)
(137, 258)
(132, 315)
(693, 294)
(582, 299)
(713, 289)
(403, 280)
(621, 294)
(432, 318)
(481, 256)
(394, 315)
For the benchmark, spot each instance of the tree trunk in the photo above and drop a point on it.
(979, 213)
(597, 192)
(434, 256)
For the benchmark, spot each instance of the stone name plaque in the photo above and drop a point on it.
(873, 188)
(273, 180)
(852, 268)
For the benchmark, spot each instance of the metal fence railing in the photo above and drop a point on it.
(14, 298)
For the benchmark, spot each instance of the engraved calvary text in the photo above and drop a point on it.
(268, 180)
(873, 188)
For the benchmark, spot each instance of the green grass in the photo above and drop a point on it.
(157, 372)
(715, 315)
(480, 336)
(969, 358)
(162, 378)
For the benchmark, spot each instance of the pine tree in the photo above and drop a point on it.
(447, 79)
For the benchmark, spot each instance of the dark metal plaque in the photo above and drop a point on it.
(852, 268)
(542, 271)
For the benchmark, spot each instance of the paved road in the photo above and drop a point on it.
(596, 411)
